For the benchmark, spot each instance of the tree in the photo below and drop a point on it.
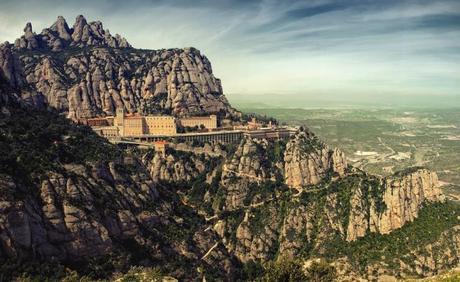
(284, 270)
(321, 272)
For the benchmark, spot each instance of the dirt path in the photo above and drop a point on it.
(210, 250)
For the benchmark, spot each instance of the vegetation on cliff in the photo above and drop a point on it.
(34, 142)
(89, 204)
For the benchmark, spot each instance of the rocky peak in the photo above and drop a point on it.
(29, 40)
(80, 26)
(28, 28)
(80, 22)
(10, 67)
(405, 195)
(59, 36)
(308, 161)
(61, 27)
(101, 78)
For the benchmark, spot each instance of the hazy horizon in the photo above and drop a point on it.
(346, 49)
(331, 101)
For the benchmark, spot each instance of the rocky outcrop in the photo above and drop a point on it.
(257, 242)
(334, 199)
(401, 198)
(179, 167)
(59, 36)
(249, 165)
(91, 73)
(304, 161)
(183, 163)
(404, 196)
(208, 149)
(10, 66)
(290, 227)
(263, 217)
(68, 221)
(308, 161)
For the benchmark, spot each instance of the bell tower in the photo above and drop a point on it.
(213, 122)
(119, 116)
(119, 120)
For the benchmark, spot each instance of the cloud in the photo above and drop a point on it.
(306, 12)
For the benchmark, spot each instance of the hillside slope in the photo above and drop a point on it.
(68, 198)
(366, 225)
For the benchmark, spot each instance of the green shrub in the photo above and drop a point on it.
(284, 270)
(34, 142)
(321, 272)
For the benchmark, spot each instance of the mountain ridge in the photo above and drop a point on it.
(59, 36)
(92, 74)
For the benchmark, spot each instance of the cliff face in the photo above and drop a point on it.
(307, 161)
(400, 202)
(67, 219)
(297, 163)
(181, 166)
(100, 211)
(246, 168)
(404, 196)
(10, 66)
(85, 72)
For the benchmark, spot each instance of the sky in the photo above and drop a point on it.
(355, 48)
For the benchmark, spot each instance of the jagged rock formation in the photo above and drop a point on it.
(296, 228)
(303, 161)
(250, 164)
(179, 168)
(10, 66)
(307, 161)
(352, 204)
(67, 221)
(90, 213)
(403, 197)
(86, 72)
(59, 36)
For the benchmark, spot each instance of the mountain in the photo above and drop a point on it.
(68, 198)
(84, 71)
(73, 206)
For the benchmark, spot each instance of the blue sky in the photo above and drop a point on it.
(306, 48)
